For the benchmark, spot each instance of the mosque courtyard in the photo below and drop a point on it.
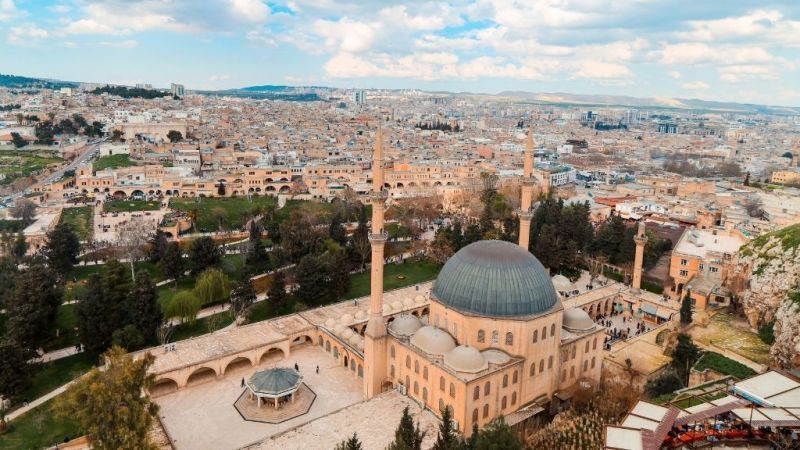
(203, 416)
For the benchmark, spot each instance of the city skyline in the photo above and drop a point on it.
(746, 52)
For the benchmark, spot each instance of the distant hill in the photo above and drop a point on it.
(19, 82)
(267, 88)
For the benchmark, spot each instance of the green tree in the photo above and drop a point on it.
(351, 443)
(158, 246)
(15, 371)
(184, 306)
(256, 253)
(62, 248)
(174, 136)
(685, 354)
(109, 406)
(128, 337)
(336, 230)
(242, 297)
(360, 239)
(457, 236)
(95, 329)
(203, 253)
(277, 290)
(20, 246)
(172, 262)
(686, 308)
(497, 436)
(448, 438)
(145, 311)
(212, 286)
(299, 237)
(32, 307)
(312, 286)
(18, 140)
(666, 383)
(407, 436)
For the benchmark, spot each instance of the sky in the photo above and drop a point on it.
(728, 50)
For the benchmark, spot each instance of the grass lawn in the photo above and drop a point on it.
(112, 162)
(10, 226)
(81, 219)
(82, 273)
(21, 163)
(48, 376)
(167, 291)
(66, 321)
(202, 326)
(412, 272)
(723, 365)
(732, 333)
(38, 428)
(130, 206)
(236, 210)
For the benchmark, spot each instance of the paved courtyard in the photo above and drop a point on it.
(203, 416)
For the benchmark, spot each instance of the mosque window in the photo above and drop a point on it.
(586, 349)
(513, 398)
(514, 377)
(594, 344)
(477, 393)
(441, 383)
(495, 337)
(416, 366)
(564, 375)
(328, 346)
(424, 394)
(485, 411)
(391, 351)
(553, 330)
(425, 373)
(535, 336)
(452, 390)
(574, 351)
(335, 352)
(509, 338)
(544, 333)
(481, 336)
(360, 371)
(585, 365)
(408, 382)
(503, 403)
(505, 380)
(320, 341)
(541, 365)
(391, 371)
(408, 361)
(572, 372)
(441, 405)
(475, 415)
(416, 388)
(487, 388)
(550, 362)
(533, 369)
(592, 362)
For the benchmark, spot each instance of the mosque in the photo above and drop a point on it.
(496, 339)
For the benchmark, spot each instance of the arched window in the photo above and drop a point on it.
(485, 411)
(509, 338)
(425, 373)
(572, 372)
(391, 351)
(408, 382)
(574, 351)
(487, 388)
(513, 398)
(503, 403)
(416, 388)
(550, 362)
(544, 333)
(586, 350)
(441, 405)
(441, 383)
(424, 394)
(505, 380)
(533, 369)
(535, 336)
(452, 390)
(416, 366)
(319, 339)
(514, 377)
(360, 371)
(475, 415)
(408, 361)
(594, 344)
(552, 330)
(477, 393)
(481, 336)
(495, 337)
(585, 365)
(592, 362)
(564, 375)
(335, 352)
(328, 346)
(541, 365)
(391, 371)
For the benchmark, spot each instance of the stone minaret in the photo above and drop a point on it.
(525, 212)
(375, 334)
(640, 239)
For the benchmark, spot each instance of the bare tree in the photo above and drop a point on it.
(754, 206)
(24, 210)
(132, 236)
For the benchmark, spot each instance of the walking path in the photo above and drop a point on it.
(20, 411)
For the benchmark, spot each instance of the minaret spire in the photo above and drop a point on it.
(375, 334)
(641, 240)
(525, 213)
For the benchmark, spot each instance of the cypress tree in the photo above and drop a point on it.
(351, 443)
(686, 308)
(407, 436)
(95, 329)
(144, 307)
(448, 438)
(277, 290)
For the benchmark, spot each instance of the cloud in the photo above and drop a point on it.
(695, 85)
(737, 73)
(674, 74)
(261, 38)
(761, 24)
(249, 10)
(130, 43)
(697, 53)
(26, 35)
(219, 77)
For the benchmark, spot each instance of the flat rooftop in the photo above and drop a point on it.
(696, 242)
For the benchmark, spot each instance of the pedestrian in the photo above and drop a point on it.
(242, 382)
(317, 369)
(296, 367)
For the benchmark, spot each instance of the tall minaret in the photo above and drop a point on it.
(640, 239)
(525, 213)
(375, 334)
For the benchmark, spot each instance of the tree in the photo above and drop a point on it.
(24, 210)
(62, 248)
(129, 337)
(109, 405)
(145, 311)
(20, 246)
(361, 243)
(684, 356)
(242, 297)
(666, 383)
(686, 308)
(203, 253)
(498, 436)
(158, 246)
(172, 262)
(299, 237)
(18, 140)
(31, 308)
(336, 230)
(212, 286)
(277, 290)
(407, 436)
(312, 288)
(184, 306)
(174, 136)
(133, 236)
(255, 248)
(95, 330)
(220, 214)
(747, 179)
(448, 438)
(117, 136)
(15, 371)
(754, 207)
(351, 443)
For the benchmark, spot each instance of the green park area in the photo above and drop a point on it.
(212, 214)
(112, 162)
(17, 164)
(395, 276)
(130, 205)
(81, 219)
(723, 365)
(39, 428)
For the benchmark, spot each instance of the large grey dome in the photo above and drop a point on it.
(495, 279)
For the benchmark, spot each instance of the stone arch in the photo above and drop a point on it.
(412, 184)
(284, 188)
(270, 354)
(387, 186)
(449, 183)
(97, 190)
(163, 386)
(270, 188)
(119, 195)
(284, 180)
(399, 185)
(437, 183)
(302, 339)
(201, 375)
(387, 385)
(238, 363)
(137, 193)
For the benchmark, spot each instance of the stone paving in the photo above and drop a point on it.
(204, 417)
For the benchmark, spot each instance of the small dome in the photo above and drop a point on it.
(354, 340)
(408, 302)
(396, 305)
(495, 356)
(330, 323)
(275, 381)
(338, 329)
(346, 319)
(360, 345)
(465, 359)
(405, 325)
(433, 341)
(346, 333)
(386, 309)
(562, 283)
(419, 298)
(576, 319)
(360, 314)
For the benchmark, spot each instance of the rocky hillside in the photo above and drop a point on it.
(774, 264)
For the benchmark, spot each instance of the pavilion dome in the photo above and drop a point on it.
(465, 359)
(405, 325)
(495, 279)
(562, 283)
(275, 381)
(576, 319)
(346, 319)
(433, 341)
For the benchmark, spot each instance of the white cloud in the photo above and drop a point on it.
(674, 74)
(345, 35)
(262, 38)
(250, 10)
(8, 10)
(695, 85)
(766, 25)
(26, 35)
(737, 73)
(219, 77)
(130, 43)
(697, 53)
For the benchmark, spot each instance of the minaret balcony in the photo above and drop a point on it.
(378, 238)
(379, 196)
(525, 215)
(529, 181)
